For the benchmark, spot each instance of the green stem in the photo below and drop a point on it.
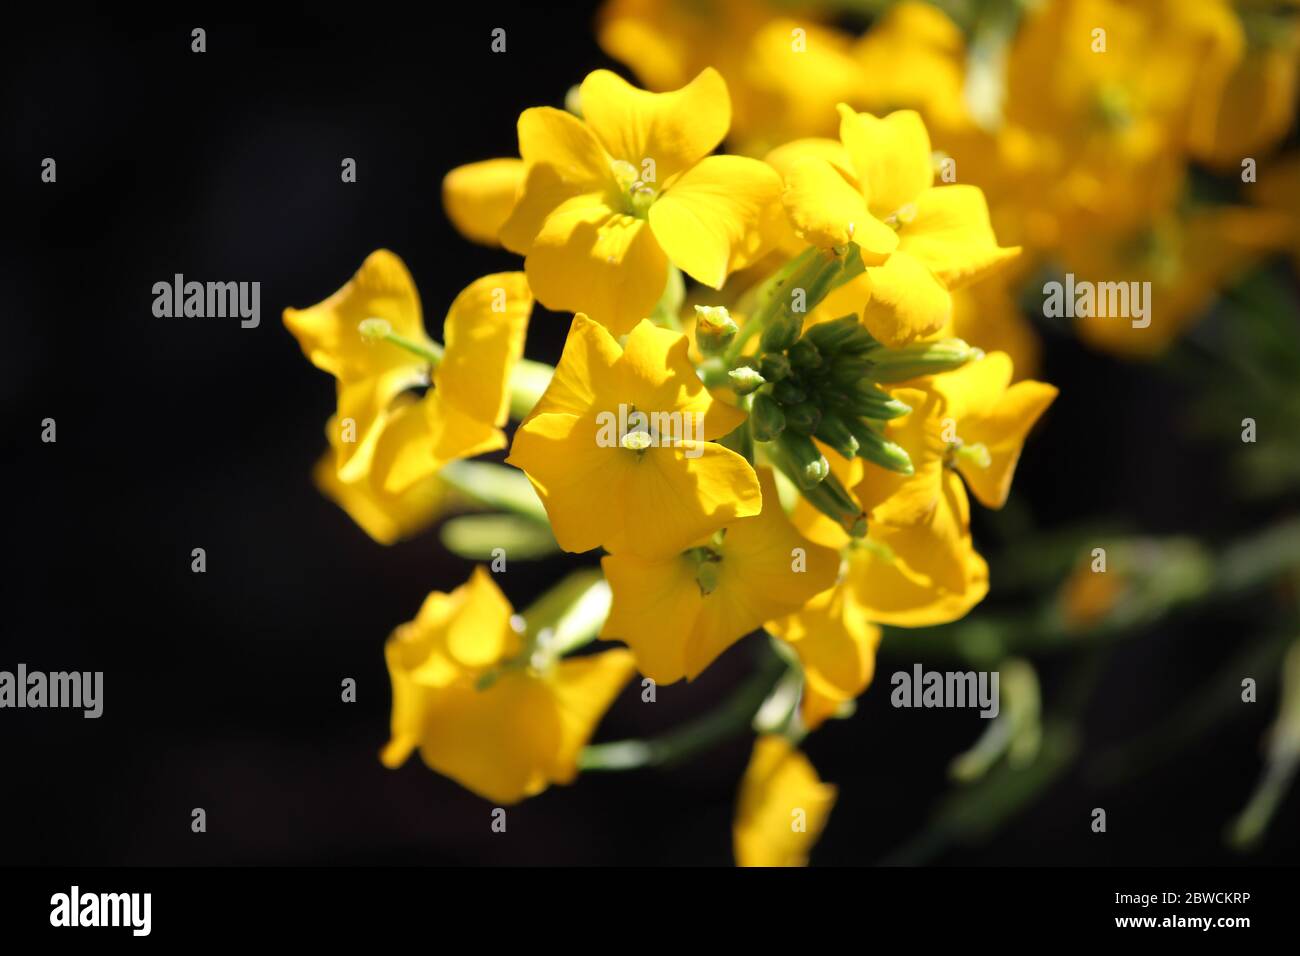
(732, 718)
(497, 486)
(528, 380)
(431, 353)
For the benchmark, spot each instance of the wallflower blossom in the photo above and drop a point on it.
(398, 443)
(611, 199)
(783, 806)
(679, 613)
(484, 708)
(628, 495)
(876, 188)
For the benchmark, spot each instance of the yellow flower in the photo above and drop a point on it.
(1252, 100)
(679, 613)
(917, 566)
(836, 645)
(621, 446)
(973, 422)
(1176, 267)
(913, 57)
(479, 197)
(876, 188)
(609, 200)
(398, 443)
(485, 709)
(783, 806)
(785, 73)
(386, 518)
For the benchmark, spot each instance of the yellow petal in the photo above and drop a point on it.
(1003, 433)
(480, 635)
(891, 157)
(579, 482)
(836, 645)
(419, 438)
(673, 497)
(717, 216)
(328, 331)
(583, 688)
(366, 408)
(656, 603)
(783, 806)
(784, 158)
(587, 258)
(484, 339)
(765, 570)
(953, 237)
(657, 375)
(673, 129)
(827, 210)
(479, 197)
(567, 145)
(386, 518)
(888, 591)
(499, 742)
(907, 301)
(585, 375)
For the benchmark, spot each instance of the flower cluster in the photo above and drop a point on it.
(1088, 124)
(788, 450)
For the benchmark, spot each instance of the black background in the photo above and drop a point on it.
(223, 689)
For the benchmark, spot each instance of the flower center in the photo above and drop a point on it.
(976, 453)
(638, 194)
(902, 216)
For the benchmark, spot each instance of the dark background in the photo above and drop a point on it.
(222, 690)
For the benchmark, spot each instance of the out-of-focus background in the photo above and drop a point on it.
(222, 689)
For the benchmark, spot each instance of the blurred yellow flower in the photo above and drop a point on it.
(609, 200)
(679, 613)
(621, 446)
(392, 443)
(783, 806)
(785, 69)
(481, 707)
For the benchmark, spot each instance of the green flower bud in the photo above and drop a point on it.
(714, 329)
(788, 393)
(869, 401)
(803, 417)
(774, 367)
(746, 379)
(809, 466)
(766, 420)
(846, 372)
(921, 358)
(782, 332)
(803, 354)
(833, 500)
(875, 447)
(834, 432)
